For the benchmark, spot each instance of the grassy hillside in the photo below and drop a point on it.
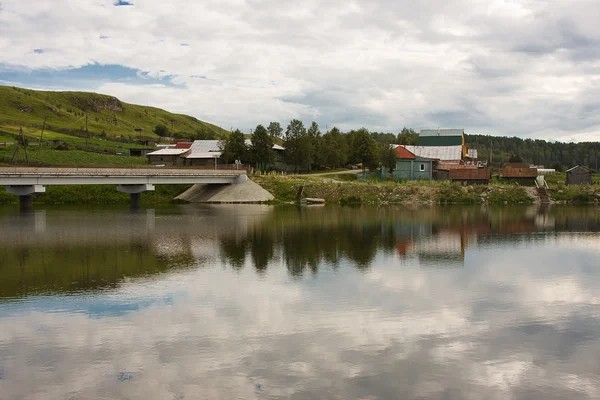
(108, 117)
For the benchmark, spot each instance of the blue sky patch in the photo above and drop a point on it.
(84, 78)
(103, 37)
(38, 51)
(122, 3)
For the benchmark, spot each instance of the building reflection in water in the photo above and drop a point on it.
(49, 251)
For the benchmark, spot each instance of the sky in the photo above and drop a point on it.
(527, 68)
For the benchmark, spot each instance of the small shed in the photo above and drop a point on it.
(169, 156)
(579, 175)
(525, 176)
(140, 152)
(470, 176)
(411, 166)
(517, 165)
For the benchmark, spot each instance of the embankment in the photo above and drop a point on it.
(286, 189)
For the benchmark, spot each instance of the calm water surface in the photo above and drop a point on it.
(262, 302)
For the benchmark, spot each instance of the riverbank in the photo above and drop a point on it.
(287, 188)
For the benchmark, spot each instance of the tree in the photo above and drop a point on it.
(262, 148)
(335, 148)
(161, 130)
(275, 130)
(297, 144)
(515, 158)
(408, 136)
(363, 148)
(558, 167)
(314, 138)
(234, 147)
(387, 156)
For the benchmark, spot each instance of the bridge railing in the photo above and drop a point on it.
(220, 167)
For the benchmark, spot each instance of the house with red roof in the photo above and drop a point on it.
(411, 166)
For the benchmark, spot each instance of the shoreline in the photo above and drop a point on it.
(285, 189)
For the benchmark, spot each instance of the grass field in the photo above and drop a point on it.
(48, 156)
(105, 114)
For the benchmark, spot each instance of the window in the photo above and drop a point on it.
(422, 167)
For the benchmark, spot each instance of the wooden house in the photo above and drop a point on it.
(411, 166)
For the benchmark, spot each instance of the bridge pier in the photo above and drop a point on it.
(25, 193)
(135, 193)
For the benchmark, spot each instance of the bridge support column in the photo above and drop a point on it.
(135, 192)
(240, 179)
(25, 193)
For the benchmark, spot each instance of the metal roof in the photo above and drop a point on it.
(205, 146)
(442, 132)
(443, 153)
(518, 173)
(208, 146)
(208, 154)
(168, 152)
(579, 166)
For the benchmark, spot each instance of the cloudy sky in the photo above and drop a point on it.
(529, 68)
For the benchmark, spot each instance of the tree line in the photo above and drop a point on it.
(307, 148)
(558, 155)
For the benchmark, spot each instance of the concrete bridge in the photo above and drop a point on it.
(26, 181)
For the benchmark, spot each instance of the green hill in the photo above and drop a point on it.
(108, 117)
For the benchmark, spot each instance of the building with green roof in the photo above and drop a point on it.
(443, 137)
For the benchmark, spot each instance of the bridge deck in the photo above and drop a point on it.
(14, 176)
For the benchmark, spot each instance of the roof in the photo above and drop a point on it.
(210, 146)
(441, 137)
(518, 173)
(208, 154)
(444, 153)
(205, 146)
(470, 173)
(183, 145)
(168, 152)
(578, 167)
(401, 152)
(517, 165)
(454, 166)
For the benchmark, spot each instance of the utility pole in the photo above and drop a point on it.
(43, 126)
(20, 141)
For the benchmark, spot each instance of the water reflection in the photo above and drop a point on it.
(300, 303)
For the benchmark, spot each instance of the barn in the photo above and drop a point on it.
(579, 175)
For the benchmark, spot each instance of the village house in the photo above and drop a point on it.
(205, 153)
(172, 155)
(411, 166)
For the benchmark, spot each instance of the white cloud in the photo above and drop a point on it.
(509, 67)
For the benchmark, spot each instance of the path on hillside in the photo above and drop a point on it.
(323, 175)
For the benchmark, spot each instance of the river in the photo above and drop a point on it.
(283, 302)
